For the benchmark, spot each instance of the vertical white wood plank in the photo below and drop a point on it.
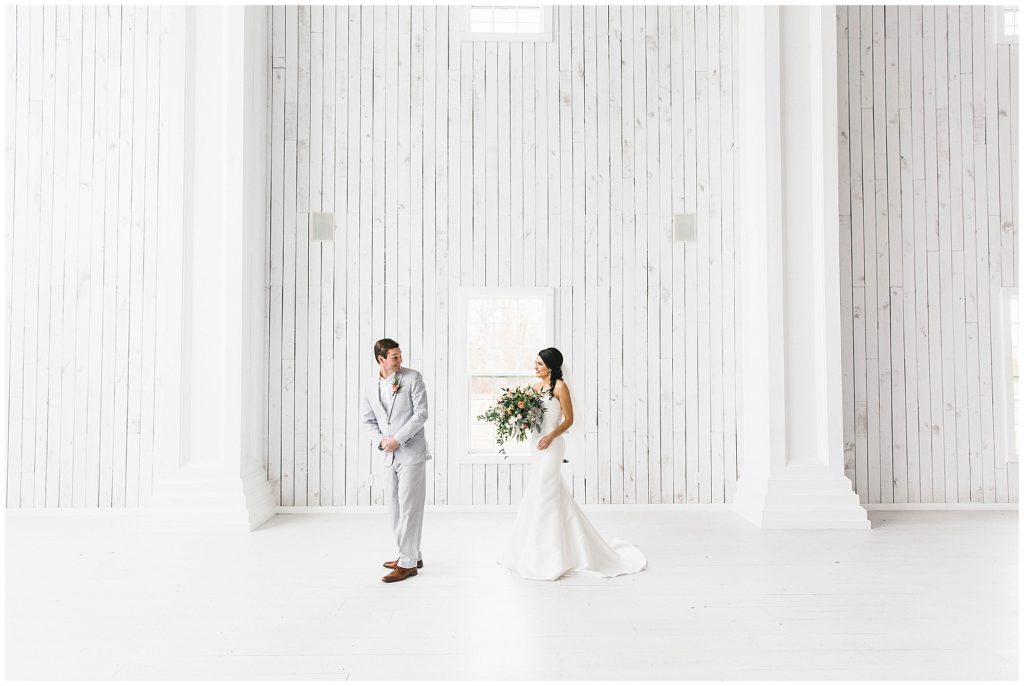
(690, 114)
(909, 276)
(314, 274)
(445, 120)
(894, 471)
(36, 245)
(703, 291)
(276, 248)
(72, 129)
(653, 263)
(123, 267)
(921, 219)
(980, 25)
(149, 269)
(329, 202)
(481, 482)
(10, 147)
(677, 278)
(470, 182)
(334, 408)
(871, 285)
(45, 260)
(549, 264)
(616, 226)
(602, 490)
(108, 435)
(136, 229)
(424, 194)
(630, 351)
(970, 224)
(333, 198)
(522, 239)
(502, 129)
(488, 156)
(54, 444)
(503, 487)
(728, 148)
(418, 286)
(529, 194)
(961, 463)
(17, 254)
(858, 194)
(289, 249)
(642, 350)
(277, 214)
(398, 170)
(381, 306)
(304, 390)
(943, 147)
(882, 476)
(516, 484)
(350, 231)
(1013, 67)
(478, 152)
(715, 241)
(1006, 203)
(87, 495)
(577, 440)
(665, 291)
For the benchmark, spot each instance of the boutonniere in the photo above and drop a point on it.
(396, 383)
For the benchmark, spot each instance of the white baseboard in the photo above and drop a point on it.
(370, 509)
(881, 507)
(602, 507)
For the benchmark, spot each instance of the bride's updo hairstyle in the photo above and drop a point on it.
(553, 359)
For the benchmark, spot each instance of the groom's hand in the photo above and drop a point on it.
(388, 445)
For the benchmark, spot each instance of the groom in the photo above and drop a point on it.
(394, 409)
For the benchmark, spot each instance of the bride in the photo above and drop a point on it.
(551, 537)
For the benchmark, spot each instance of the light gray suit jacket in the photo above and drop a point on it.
(403, 417)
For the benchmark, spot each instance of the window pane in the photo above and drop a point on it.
(506, 14)
(484, 391)
(506, 19)
(505, 333)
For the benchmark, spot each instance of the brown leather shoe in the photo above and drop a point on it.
(399, 574)
(394, 563)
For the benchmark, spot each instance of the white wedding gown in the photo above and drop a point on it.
(551, 537)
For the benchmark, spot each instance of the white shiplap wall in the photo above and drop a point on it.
(928, 152)
(93, 125)
(452, 164)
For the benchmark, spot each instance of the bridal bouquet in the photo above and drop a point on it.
(517, 412)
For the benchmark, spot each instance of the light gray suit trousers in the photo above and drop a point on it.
(405, 474)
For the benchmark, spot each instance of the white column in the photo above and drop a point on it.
(219, 480)
(790, 400)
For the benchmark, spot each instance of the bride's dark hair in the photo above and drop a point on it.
(553, 359)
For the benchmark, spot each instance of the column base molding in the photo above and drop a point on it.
(212, 499)
(809, 498)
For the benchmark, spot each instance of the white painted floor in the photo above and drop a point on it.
(923, 595)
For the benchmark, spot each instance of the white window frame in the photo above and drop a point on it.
(1002, 381)
(1000, 24)
(545, 35)
(460, 378)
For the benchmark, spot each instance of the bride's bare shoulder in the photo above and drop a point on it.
(561, 386)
